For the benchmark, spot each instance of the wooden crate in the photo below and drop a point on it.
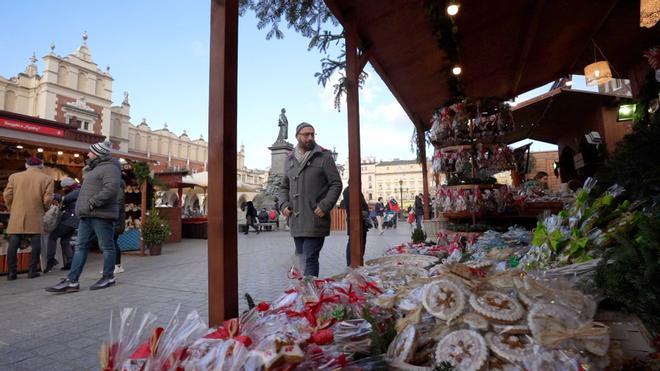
(628, 331)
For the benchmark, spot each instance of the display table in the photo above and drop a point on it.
(173, 217)
(194, 227)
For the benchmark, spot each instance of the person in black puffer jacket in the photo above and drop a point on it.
(98, 209)
(66, 227)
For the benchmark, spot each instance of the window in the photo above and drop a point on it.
(370, 195)
(85, 126)
(370, 178)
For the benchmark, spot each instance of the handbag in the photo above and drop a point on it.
(52, 218)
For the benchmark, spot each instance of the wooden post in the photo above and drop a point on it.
(354, 171)
(143, 207)
(421, 144)
(222, 240)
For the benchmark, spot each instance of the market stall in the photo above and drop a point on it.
(512, 301)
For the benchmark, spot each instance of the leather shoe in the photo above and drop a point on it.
(34, 275)
(11, 277)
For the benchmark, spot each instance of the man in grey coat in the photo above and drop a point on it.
(97, 208)
(310, 188)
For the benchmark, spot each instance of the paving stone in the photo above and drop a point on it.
(71, 327)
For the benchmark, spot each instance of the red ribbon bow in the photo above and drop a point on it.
(370, 285)
(352, 295)
(230, 329)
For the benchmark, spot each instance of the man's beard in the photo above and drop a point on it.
(308, 146)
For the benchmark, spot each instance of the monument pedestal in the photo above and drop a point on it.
(278, 153)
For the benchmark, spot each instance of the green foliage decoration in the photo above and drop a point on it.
(156, 230)
(418, 235)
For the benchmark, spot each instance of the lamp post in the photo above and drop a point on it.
(400, 193)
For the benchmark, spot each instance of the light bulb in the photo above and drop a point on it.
(40, 150)
(456, 70)
(597, 73)
(452, 9)
(19, 147)
(76, 155)
(60, 153)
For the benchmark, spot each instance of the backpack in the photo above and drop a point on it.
(52, 218)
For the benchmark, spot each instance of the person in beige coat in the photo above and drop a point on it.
(28, 195)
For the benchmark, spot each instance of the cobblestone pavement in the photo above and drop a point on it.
(44, 331)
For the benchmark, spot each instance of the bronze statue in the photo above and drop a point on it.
(283, 123)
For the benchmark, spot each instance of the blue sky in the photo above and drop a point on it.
(158, 52)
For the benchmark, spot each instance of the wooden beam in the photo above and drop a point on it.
(527, 45)
(363, 59)
(222, 240)
(354, 163)
(421, 144)
(143, 205)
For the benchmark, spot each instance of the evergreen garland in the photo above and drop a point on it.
(629, 271)
(635, 164)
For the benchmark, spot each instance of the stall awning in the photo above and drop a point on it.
(507, 47)
(13, 136)
(548, 116)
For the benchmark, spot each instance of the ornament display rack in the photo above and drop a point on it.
(134, 194)
(465, 138)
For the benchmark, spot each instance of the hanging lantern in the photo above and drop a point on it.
(649, 13)
(597, 73)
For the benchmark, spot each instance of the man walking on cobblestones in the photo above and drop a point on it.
(97, 208)
(310, 188)
(28, 194)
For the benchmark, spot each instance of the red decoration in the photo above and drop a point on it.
(230, 330)
(263, 306)
(323, 337)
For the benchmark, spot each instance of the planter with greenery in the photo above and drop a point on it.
(155, 232)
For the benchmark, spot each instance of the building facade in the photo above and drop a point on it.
(71, 90)
(401, 179)
(251, 178)
(169, 151)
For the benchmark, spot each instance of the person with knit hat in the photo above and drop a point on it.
(97, 208)
(310, 188)
(28, 195)
(66, 227)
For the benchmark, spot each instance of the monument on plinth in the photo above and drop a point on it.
(278, 152)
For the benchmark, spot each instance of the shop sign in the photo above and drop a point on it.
(31, 127)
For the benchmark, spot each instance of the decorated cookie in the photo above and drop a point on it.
(464, 349)
(498, 306)
(556, 326)
(403, 346)
(444, 299)
(475, 321)
(513, 348)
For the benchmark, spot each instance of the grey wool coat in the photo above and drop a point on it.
(99, 191)
(306, 186)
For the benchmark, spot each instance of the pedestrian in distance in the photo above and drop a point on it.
(66, 227)
(97, 208)
(251, 217)
(120, 226)
(310, 188)
(380, 214)
(419, 210)
(28, 195)
(364, 218)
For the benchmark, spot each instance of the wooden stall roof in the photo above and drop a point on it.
(549, 115)
(507, 47)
